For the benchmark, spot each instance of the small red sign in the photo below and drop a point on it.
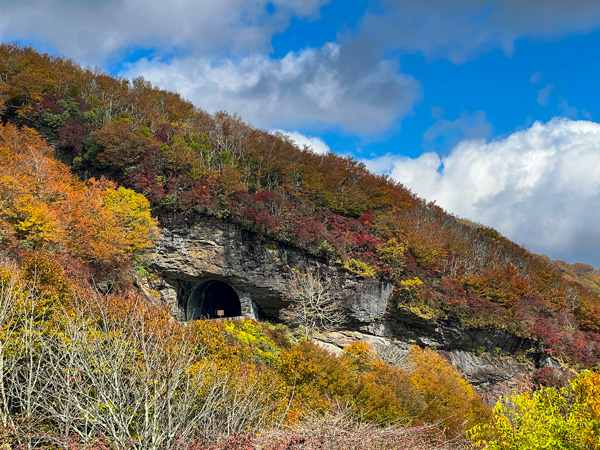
(220, 312)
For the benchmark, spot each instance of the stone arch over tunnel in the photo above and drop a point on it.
(212, 296)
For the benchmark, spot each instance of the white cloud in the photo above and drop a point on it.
(535, 77)
(216, 52)
(92, 31)
(445, 133)
(315, 144)
(539, 187)
(566, 110)
(544, 95)
(311, 87)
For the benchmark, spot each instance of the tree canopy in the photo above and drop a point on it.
(190, 164)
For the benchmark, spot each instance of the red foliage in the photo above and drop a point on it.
(452, 288)
(367, 218)
(146, 180)
(48, 103)
(165, 133)
(549, 377)
(365, 242)
(199, 199)
(308, 230)
(73, 135)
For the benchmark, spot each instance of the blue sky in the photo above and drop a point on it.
(490, 108)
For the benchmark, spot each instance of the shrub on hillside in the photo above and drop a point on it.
(557, 418)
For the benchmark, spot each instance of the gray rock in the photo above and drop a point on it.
(258, 270)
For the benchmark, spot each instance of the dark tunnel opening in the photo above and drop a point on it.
(213, 299)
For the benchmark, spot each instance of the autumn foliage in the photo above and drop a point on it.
(558, 418)
(45, 208)
(88, 165)
(191, 164)
(83, 370)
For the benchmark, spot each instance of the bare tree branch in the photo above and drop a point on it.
(312, 307)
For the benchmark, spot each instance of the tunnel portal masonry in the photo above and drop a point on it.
(213, 299)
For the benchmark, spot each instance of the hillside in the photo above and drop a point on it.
(190, 164)
(121, 203)
(87, 362)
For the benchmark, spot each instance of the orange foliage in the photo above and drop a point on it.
(447, 394)
(44, 206)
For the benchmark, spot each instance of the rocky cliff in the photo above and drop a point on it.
(218, 259)
(259, 271)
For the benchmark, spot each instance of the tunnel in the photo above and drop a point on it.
(213, 299)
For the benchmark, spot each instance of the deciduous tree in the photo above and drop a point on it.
(312, 307)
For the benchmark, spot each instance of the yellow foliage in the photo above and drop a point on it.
(361, 356)
(409, 289)
(448, 396)
(37, 225)
(132, 212)
(360, 268)
(411, 285)
(242, 359)
(43, 205)
(392, 254)
(550, 418)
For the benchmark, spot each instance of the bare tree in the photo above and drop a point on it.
(22, 358)
(313, 308)
(93, 370)
(143, 389)
(9, 296)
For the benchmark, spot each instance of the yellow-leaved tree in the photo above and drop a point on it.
(44, 206)
(448, 396)
(559, 419)
(132, 213)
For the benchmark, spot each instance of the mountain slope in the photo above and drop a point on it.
(191, 164)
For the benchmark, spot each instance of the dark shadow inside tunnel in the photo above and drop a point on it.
(213, 299)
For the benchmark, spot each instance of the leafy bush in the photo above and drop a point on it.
(360, 268)
(557, 418)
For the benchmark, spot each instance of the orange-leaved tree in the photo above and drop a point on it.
(44, 206)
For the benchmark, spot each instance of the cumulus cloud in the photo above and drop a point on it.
(216, 52)
(314, 144)
(566, 110)
(539, 187)
(91, 31)
(315, 86)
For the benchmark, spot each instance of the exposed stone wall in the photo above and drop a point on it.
(259, 271)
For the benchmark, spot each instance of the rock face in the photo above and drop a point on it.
(492, 370)
(259, 272)
(201, 263)
(492, 376)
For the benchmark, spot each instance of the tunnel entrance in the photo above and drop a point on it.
(213, 299)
